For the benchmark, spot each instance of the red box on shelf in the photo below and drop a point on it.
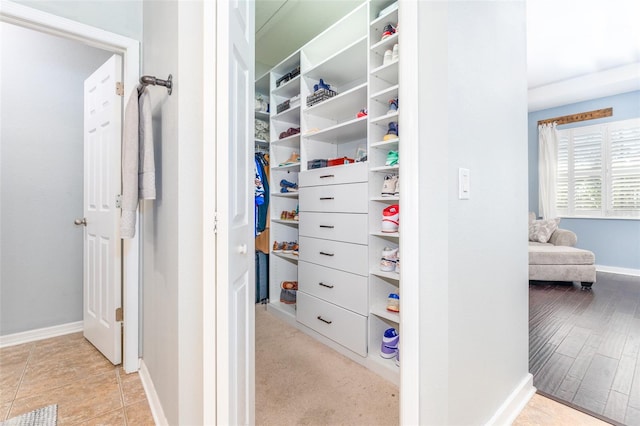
(340, 161)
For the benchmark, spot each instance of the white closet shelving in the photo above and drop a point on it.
(383, 85)
(283, 266)
(342, 293)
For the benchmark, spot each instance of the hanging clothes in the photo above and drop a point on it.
(262, 208)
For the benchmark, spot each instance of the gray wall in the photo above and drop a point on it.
(41, 178)
(172, 246)
(473, 100)
(615, 242)
(118, 16)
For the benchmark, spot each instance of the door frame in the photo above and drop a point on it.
(129, 49)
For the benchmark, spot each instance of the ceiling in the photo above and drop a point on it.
(565, 38)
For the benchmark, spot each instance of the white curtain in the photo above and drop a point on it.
(547, 169)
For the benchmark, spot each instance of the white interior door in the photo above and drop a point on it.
(235, 276)
(102, 246)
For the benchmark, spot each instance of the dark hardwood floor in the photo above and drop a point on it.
(584, 345)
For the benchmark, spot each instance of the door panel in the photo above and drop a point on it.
(235, 246)
(102, 247)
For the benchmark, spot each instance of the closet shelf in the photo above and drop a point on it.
(343, 132)
(387, 199)
(390, 275)
(388, 73)
(391, 235)
(384, 95)
(285, 194)
(380, 310)
(385, 44)
(286, 222)
(287, 90)
(385, 169)
(262, 115)
(384, 120)
(287, 256)
(343, 105)
(391, 17)
(291, 167)
(287, 141)
(291, 115)
(343, 67)
(393, 143)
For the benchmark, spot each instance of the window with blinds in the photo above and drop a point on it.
(598, 173)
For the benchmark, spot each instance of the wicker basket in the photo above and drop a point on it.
(319, 96)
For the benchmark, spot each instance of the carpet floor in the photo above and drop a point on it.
(300, 381)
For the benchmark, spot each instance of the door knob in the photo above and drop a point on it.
(82, 221)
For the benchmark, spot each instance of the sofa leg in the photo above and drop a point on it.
(586, 285)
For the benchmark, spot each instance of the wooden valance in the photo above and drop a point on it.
(583, 116)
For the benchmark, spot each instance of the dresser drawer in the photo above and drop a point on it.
(340, 325)
(335, 254)
(348, 198)
(357, 172)
(338, 287)
(347, 227)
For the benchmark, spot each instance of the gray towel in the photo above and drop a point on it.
(138, 168)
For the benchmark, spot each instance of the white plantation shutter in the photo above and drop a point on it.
(625, 167)
(599, 170)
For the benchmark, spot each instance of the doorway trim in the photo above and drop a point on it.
(129, 49)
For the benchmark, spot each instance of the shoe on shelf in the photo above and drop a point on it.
(393, 303)
(397, 271)
(389, 345)
(288, 297)
(388, 259)
(388, 31)
(277, 247)
(388, 57)
(392, 158)
(389, 185)
(289, 285)
(396, 193)
(393, 105)
(295, 249)
(286, 186)
(392, 132)
(391, 218)
(394, 52)
(361, 113)
(284, 190)
(293, 159)
(321, 85)
(288, 247)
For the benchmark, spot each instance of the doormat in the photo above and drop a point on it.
(45, 416)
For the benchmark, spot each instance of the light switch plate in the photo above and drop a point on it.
(464, 188)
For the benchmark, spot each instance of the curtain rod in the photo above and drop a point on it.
(582, 116)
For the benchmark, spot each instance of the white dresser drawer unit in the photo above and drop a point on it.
(340, 325)
(335, 254)
(347, 227)
(338, 287)
(348, 198)
(357, 172)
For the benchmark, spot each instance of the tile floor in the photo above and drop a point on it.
(70, 372)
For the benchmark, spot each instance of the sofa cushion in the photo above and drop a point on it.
(559, 255)
(541, 230)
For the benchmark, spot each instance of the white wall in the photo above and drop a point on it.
(474, 292)
(122, 17)
(172, 246)
(41, 177)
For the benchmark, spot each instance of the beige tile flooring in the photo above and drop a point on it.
(70, 372)
(89, 390)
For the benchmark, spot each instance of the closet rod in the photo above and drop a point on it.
(583, 116)
(147, 80)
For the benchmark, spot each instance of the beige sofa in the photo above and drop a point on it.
(558, 260)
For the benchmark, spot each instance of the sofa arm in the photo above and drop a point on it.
(563, 237)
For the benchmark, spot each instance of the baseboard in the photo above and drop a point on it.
(40, 334)
(618, 270)
(152, 396)
(516, 402)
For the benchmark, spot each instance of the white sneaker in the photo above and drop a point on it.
(388, 259)
(389, 185)
(391, 218)
(388, 57)
(394, 53)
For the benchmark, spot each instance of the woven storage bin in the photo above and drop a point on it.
(319, 96)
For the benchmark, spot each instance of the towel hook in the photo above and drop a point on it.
(146, 80)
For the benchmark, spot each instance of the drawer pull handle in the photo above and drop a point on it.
(327, 226)
(324, 320)
(326, 176)
(326, 254)
(326, 285)
(326, 198)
